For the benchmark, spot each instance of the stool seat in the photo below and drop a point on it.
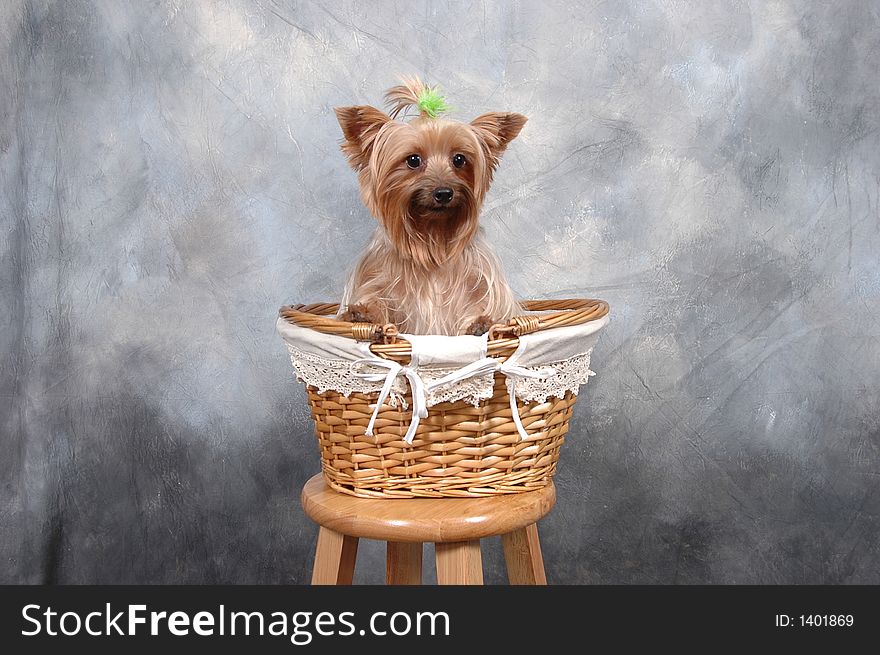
(454, 525)
(437, 520)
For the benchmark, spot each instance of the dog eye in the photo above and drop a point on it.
(413, 161)
(458, 161)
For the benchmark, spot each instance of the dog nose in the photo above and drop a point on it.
(443, 195)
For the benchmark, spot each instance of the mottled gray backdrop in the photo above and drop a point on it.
(170, 176)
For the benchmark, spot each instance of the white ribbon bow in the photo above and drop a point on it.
(419, 410)
(420, 388)
(513, 372)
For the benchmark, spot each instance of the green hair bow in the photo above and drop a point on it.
(431, 103)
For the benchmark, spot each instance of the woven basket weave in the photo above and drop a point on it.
(459, 450)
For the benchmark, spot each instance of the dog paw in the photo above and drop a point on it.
(480, 326)
(359, 314)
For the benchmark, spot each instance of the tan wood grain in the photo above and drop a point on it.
(459, 563)
(522, 552)
(404, 563)
(335, 556)
(424, 519)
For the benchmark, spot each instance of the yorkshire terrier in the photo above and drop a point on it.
(427, 268)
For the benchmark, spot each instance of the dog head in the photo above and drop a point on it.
(425, 180)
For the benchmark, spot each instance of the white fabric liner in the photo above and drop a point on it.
(547, 364)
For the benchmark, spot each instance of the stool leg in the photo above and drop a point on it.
(334, 558)
(459, 562)
(522, 551)
(404, 563)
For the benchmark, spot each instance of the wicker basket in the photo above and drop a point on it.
(458, 450)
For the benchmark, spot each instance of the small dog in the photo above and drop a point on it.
(427, 268)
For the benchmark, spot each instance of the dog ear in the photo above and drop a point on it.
(360, 125)
(496, 129)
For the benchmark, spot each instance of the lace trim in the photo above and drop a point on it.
(473, 390)
(570, 375)
(334, 374)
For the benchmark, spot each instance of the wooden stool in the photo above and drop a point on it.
(455, 525)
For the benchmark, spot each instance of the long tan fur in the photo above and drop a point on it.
(427, 268)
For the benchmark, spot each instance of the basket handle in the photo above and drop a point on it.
(321, 317)
(374, 332)
(563, 312)
(556, 313)
(518, 326)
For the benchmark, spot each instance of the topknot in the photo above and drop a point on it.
(412, 92)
